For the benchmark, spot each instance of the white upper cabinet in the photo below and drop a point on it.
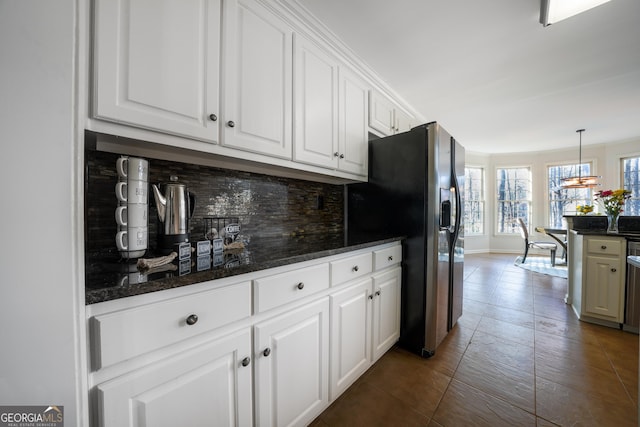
(352, 123)
(330, 113)
(316, 105)
(386, 117)
(257, 80)
(402, 121)
(156, 65)
(380, 113)
(232, 74)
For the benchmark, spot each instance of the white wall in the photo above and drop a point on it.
(606, 162)
(39, 302)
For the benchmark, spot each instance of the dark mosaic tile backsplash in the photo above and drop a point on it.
(266, 206)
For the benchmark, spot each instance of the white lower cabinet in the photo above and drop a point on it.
(365, 323)
(209, 385)
(598, 279)
(386, 310)
(350, 335)
(292, 366)
(604, 288)
(272, 350)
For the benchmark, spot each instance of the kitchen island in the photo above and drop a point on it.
(597, 273)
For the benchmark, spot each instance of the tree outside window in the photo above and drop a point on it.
(474, 201)
(563, 201)
(513, 187)
(631, 182)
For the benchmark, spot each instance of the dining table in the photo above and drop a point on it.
(557, 234)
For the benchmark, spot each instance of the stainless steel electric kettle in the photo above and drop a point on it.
(175, 206)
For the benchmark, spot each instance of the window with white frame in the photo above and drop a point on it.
(564, 201)
(513, 191)
(631, 182)
(473, 201)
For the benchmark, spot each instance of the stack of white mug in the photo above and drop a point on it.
(132, 192)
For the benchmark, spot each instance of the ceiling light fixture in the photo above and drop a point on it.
(580, 181)
(552, 11)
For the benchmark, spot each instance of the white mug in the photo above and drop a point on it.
(132, 215)
(132, 239)
(133, 168)
(133, 191)
(132, 279)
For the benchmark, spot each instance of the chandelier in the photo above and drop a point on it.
(580, 181)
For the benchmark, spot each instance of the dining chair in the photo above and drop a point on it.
(537, 245)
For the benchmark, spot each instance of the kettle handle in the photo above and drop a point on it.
(192, 203)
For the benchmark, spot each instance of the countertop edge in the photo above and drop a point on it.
(95, 296)
(584, 232)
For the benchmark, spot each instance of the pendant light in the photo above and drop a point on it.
(580, 181)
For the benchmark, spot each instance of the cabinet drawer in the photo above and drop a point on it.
(350, 268)
(387, 257)
(131, 332)
(272, 291)
(605, 246)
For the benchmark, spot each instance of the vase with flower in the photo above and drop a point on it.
(584, 209)
(613, 203)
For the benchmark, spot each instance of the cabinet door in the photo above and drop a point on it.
(350, 335)
(603, 288)
(210, 385)
(386, 311)
(403, 122)
(258, 80)
(316, 105)
(381, 116)
(292, 366)
(352, 123)
(156, 65)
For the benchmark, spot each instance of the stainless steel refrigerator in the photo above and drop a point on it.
(415, 189)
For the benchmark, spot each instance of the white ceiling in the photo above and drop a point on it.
(494, 77)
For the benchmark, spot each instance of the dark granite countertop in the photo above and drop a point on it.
(625, 234)
(108, 278)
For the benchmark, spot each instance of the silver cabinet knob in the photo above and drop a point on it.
(603, 247)
(336, 154)
(192, 319)
(300, 286)
(246, 361)
(390, 258)
(213, 117)
(613, 270)
(231, 123)
(355, 268)
(266, 352)
(342, 156)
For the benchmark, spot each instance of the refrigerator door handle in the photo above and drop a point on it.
(458, 208)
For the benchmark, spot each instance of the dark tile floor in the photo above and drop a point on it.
(518, 357)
